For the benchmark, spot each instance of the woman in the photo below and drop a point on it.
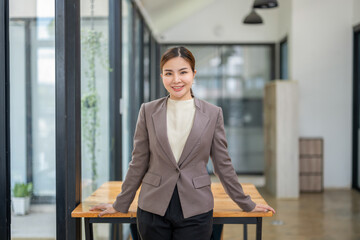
(174, 137)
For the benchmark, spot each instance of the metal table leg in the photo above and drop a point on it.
(258, 228)
(88, 229)
(245, 231)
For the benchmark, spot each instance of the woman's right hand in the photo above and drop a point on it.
(106, 208)
(263, 208)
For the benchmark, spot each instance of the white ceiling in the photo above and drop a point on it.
(164, 14)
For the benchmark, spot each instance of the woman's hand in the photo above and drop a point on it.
(262, 208)
(106, 208)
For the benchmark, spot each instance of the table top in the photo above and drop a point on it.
(224, 206)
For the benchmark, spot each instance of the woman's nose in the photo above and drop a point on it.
(177, 78)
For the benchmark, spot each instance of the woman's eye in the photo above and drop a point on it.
(167, 74)
(184, 72)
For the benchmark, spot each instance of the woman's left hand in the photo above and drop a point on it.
(106, 208)
(262, 208)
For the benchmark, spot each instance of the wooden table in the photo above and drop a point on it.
(225, 210)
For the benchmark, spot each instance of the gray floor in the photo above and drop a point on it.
(40, 223)
(331, 215)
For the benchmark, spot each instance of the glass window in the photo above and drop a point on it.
(146, 77)
(154, 72)
(127, 58)
(127, 51)
(32, 118)
(95, 71)
(284, 60)
(233, 77)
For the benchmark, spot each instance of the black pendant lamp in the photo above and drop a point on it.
(253, 18)
(265, 4)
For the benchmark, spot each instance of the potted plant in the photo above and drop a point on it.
(21, 198)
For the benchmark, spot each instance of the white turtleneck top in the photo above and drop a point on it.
(180, 117)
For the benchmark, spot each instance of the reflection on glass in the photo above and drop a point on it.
(32, 116)
(233, 77)
(127, 52)
(146, 78)
(284, 60)
(95, 100)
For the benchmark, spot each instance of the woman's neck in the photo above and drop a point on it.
(181, 99)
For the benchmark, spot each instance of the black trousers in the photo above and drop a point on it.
(173, 226)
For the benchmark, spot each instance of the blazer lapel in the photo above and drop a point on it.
(200, 123)
(160, 125)
(159, 120)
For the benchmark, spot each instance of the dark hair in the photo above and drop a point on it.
(178, 52)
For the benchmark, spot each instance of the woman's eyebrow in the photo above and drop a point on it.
(169, 70)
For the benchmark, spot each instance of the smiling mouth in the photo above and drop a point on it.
(178, 89)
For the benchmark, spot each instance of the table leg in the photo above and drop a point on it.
(245, 231)
(88, 229)
(258, 228)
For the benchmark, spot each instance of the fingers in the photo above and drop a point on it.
(109, 210)
(98, 207)
(105, 208)
(263, 208)
(271, 209)
(103, 213)
(266, 208)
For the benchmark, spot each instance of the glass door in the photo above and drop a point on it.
(32, 119)
(95, 129)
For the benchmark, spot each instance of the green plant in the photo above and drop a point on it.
(23, 189)
(94, 53)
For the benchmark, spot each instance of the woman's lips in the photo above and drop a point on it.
(178, 89)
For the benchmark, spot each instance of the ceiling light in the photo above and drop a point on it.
(253, 18)
(265, 4)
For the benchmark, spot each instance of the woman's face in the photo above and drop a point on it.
(178, 78)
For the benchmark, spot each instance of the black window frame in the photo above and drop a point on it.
(5, 195)
(356, 110)
(68, 117)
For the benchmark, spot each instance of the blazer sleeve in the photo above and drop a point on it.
(224, 169)
(137, 166)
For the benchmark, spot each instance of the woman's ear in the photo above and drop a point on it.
(194, 72)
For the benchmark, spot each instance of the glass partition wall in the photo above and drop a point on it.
(233, 77)
(33, 98)
(32, 118)
(95, 69)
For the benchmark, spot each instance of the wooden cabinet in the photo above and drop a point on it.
(281, 138)
(311, 164)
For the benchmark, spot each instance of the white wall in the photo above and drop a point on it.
(284, 30)
(356, 12)
(284, 20)
(222, 21)
(320, 58)
(322, 63)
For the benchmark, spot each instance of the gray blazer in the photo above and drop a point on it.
(153, 164)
